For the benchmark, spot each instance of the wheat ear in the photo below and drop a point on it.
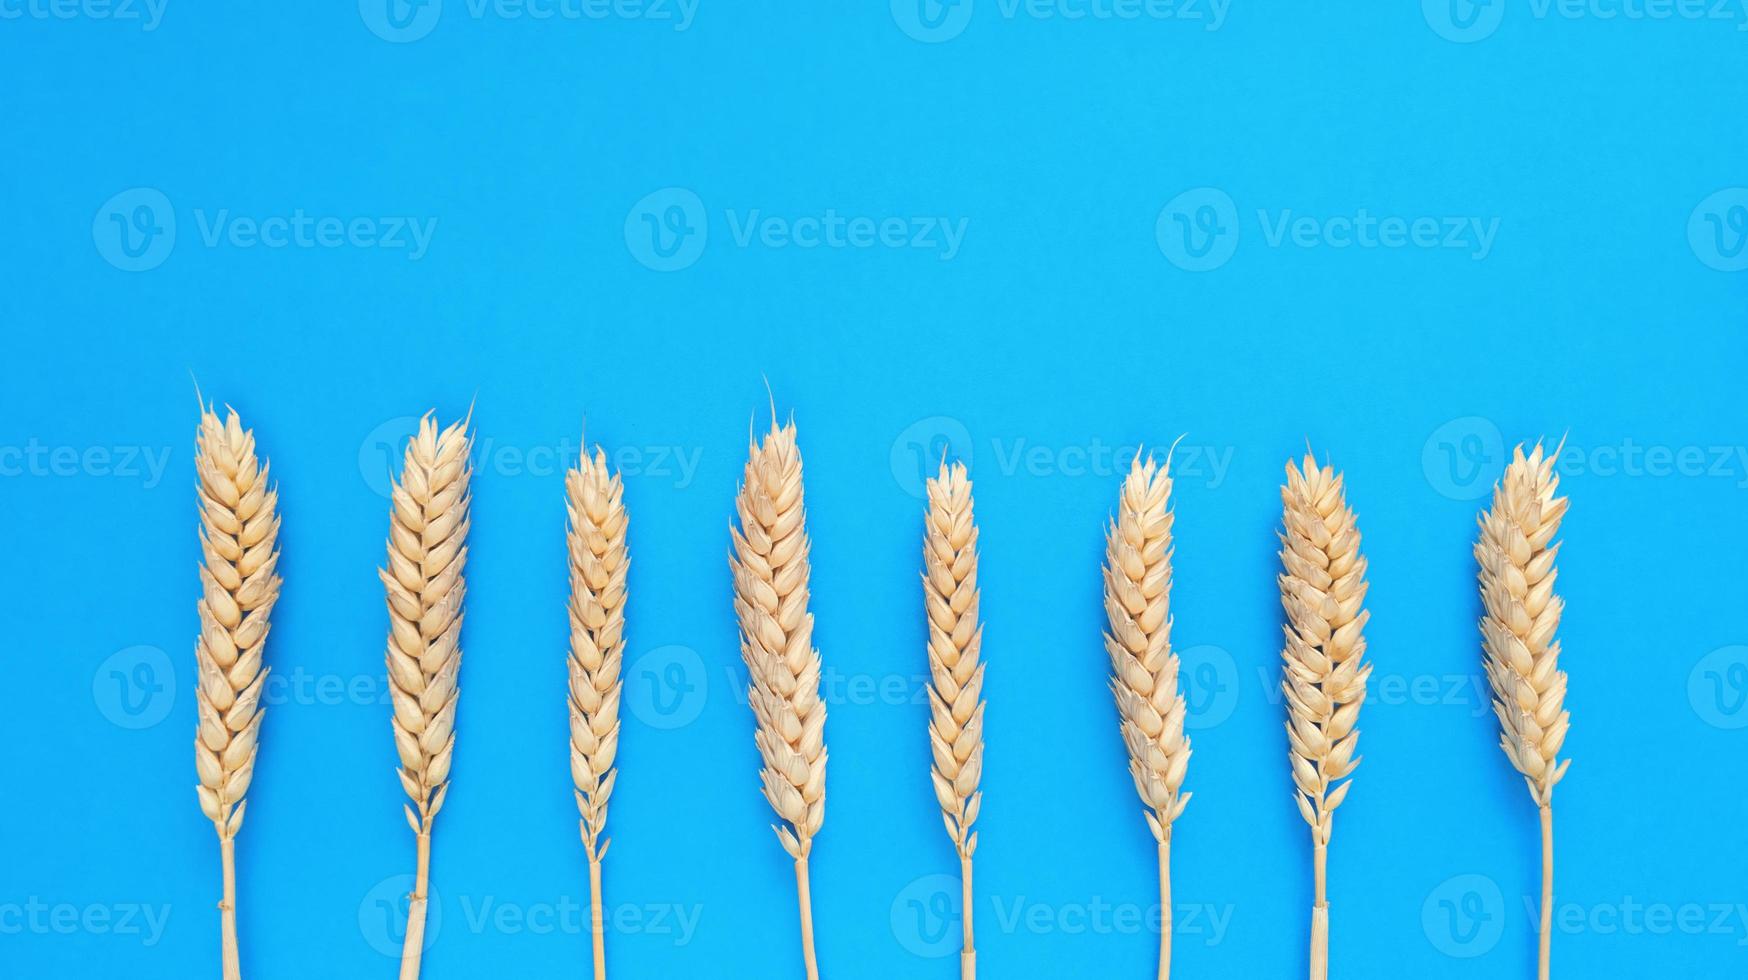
(770, 565)
(427, 551)
(1516, 551)
(1144, 670)
(596, 538)
(950, 598)
(1323, 591)
(239, 525)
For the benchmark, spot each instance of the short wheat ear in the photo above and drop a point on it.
(427, 553)
(239, 530)
(770, 565)
(950, 601)
(1144, 670)
(598, 565)
(1323, 590)
(1520, 614)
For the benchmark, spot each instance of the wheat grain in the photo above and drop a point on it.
(598, 565)
(239, 528)
(770, 565)
(1324, 679)
(950, 600)
(1144, 670)
(427, 552)
(1516, 552)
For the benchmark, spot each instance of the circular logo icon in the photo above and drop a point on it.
(932, 21)
(1717, 230)
(382, 915)
(1463, 21)
(918, 451)
(1463, 458)
(381, 452)
(667, 229)
(1718, 688)
(135, 687)
(1464, 917)
(667, 687)
(1209, 677)
(400, 21)
(925, 916)
(1198, 229)
(135, 230)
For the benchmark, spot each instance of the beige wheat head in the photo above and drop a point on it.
(770, 565)
(427, 552)
(955, 647)
(239, 525)
(1144, 670)
(597, 611)
(1516, 552)
(1323, 591)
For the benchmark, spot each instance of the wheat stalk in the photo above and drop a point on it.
(427, 551)
(950, 598)
(1323, 591)
(598, 563)
(1144, 670)
(1516, 552)
(239, 526)
(770, 565)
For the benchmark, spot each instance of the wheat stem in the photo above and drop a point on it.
(1516, 552)
(427, 553)
(951, 604)
(595, 536)
(769, 560)
(239, 530)
(1144, 670)
(1323, 591)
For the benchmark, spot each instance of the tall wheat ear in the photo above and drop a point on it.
(950, 602)
(770, 565)
(1144, 670)
(427, 552)
(239, 531)
(1323, 590)
(598, 566)
(1516, 551)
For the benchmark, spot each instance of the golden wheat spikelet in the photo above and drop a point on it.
(598, 565)
(950, 600)
(1144, 670)
(239, 530)
(770, 565)
(427, 553)
(1323, 590)
(1516, 552)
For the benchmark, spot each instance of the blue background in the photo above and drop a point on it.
(1062, 327)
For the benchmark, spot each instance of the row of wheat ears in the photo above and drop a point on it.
(1322, 589)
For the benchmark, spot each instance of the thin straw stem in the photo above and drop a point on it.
(806, 901)
(596, 929)
(1165, 909)
(967, 950)
(1547, 887)
(414, 947)
(228, 908)
(1320, 918)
